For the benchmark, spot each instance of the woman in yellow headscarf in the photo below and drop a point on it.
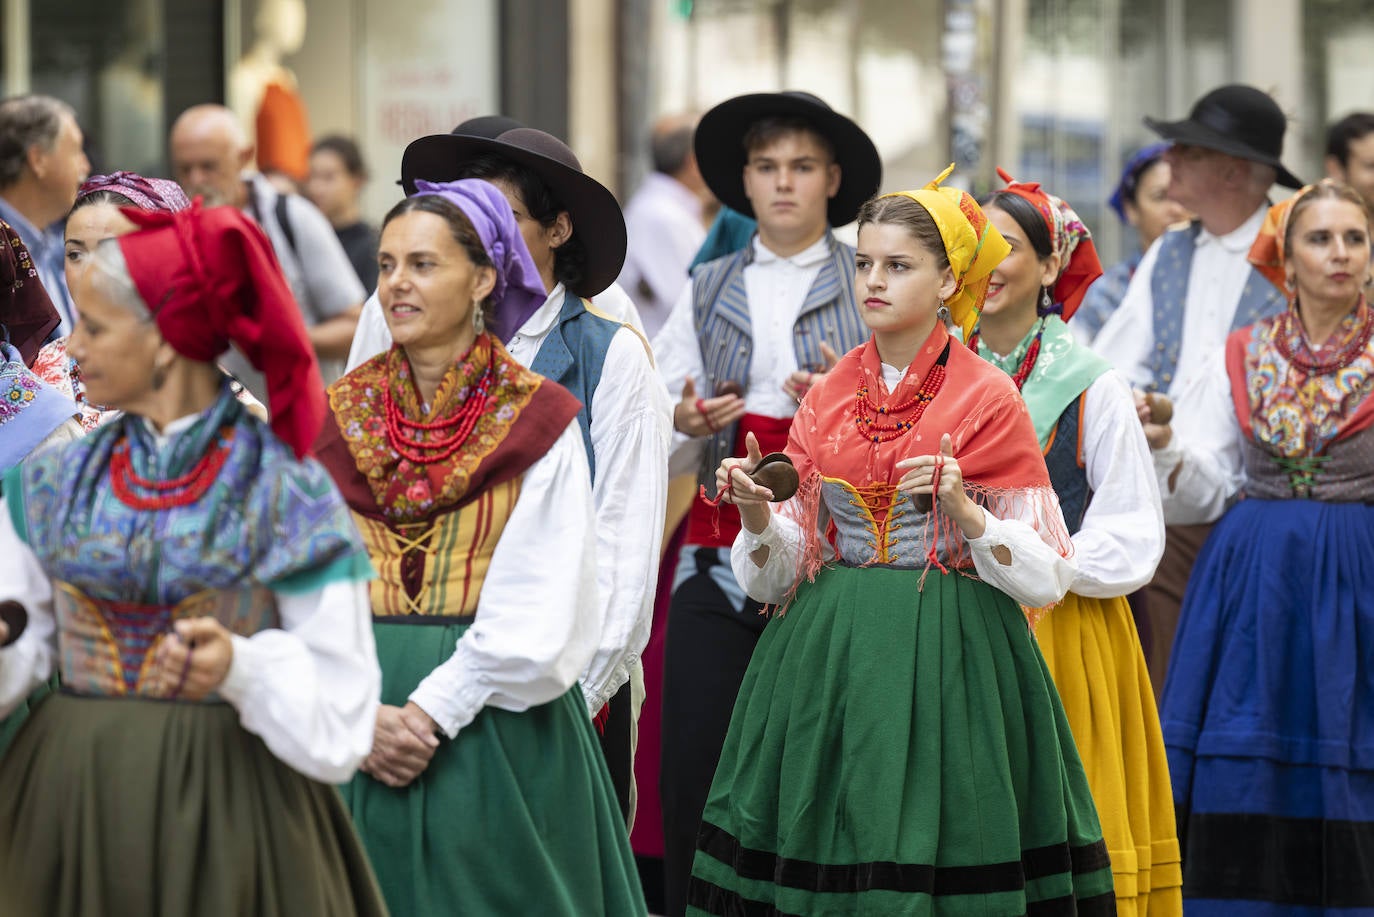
(898, 746)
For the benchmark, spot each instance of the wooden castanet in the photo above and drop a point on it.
(1161, 408)
(776, 472)
(16, 618)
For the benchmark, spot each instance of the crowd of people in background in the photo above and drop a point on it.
(530, 554)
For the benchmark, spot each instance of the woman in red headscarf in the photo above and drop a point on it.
(1084, 416)
(898, 747)
(202, 593)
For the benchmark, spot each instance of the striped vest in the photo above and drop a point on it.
(1169, 295)
(720, 308)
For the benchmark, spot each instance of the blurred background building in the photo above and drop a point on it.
(1052, 89)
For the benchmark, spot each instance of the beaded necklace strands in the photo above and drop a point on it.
(179, 491)
(1286, 331)
(1027, 362)
(401, 431)
(870, 417)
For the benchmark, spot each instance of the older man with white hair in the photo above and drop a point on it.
(1192, 289)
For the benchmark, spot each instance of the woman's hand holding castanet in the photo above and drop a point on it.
(925, 473)
(735, 486)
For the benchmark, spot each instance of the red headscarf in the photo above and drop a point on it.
(26, 311)
(211, 279)
(1069, 238)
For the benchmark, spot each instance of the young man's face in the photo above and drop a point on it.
(789, 181)
(1358, 170)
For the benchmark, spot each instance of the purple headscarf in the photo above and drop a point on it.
(1130, 176)
(519, 291)
(144, 193)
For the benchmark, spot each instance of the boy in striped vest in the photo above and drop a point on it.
(738, 351)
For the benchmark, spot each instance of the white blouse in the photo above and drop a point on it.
(1121, 539)
(539, 615)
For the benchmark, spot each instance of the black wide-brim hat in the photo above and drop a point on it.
(721, 157)
(1237, 120)
(593, 209)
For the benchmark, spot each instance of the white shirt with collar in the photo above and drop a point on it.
(1218, 276)
(663, 223)
(631, 423)
(777, 289)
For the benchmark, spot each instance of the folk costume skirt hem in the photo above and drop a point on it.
(1268, 713)
(1093, 652)
(517, 815)
(899, 750)
(127, 806)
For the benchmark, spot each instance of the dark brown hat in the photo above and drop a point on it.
(593, 209)
(1237, 120)
(721, 156)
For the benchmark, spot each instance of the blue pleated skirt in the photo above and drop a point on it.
(1268, 713)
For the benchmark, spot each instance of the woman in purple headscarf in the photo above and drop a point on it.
(1139, 201)
(466, 473)
(94, 218)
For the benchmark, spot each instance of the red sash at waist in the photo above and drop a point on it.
(771, 433)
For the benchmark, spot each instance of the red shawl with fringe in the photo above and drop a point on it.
(978, 405)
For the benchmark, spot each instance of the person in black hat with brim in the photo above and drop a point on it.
(575, 232)
(1194, 287)
(738, 351)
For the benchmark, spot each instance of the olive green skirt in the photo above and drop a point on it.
(112, 806)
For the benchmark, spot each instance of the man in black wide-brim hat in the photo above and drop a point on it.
(738, 350)
(1192, 289)
(575, 232)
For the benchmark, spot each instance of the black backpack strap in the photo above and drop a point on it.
(285, 223)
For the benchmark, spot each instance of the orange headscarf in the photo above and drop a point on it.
(1266, 253)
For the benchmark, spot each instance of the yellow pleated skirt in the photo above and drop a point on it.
(1094, 655)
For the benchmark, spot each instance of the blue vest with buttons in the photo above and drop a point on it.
(720, 308)
(1169, 293)
(573, 355)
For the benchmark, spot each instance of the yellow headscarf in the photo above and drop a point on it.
(973, 245)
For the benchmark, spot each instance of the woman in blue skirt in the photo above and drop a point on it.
(1268, 710)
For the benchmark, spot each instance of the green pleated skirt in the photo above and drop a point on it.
(898, 750)
(516, 815)
(113, 806)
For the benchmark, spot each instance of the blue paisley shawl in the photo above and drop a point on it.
(267, 520)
